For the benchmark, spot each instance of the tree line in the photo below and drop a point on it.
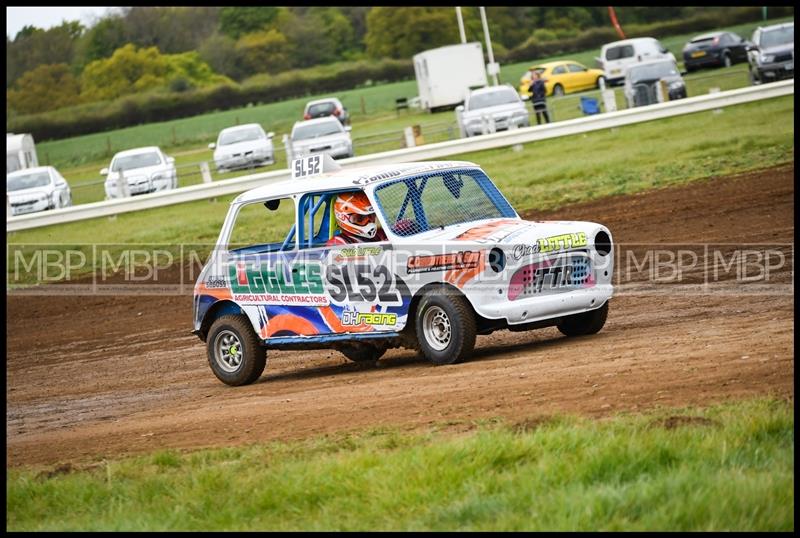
(138, 49)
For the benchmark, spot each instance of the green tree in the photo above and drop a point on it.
(237, 21)
(220, 52)
(401, 32)
(267, 51)
(131, 70)
(46, 87)
(33, 47)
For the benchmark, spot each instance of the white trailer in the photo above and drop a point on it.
(20, 152)
(446, 74)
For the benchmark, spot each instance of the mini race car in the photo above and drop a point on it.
(457, 261)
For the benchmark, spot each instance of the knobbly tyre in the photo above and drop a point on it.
(457, 261)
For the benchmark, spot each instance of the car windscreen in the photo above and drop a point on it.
(239, 135)
(28, 181)
(779, 36)
(439, 199)
(653, 71)
(304, 132)
(485, 100)
(322, 109)
(140, 160)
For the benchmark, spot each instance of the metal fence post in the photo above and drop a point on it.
(716, 110)
(514, 127)
(123, 189)
(8, 206)
(205, 172)
(288, 147)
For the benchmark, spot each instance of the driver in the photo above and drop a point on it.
(356, 219)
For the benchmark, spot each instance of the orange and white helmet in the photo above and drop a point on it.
(355, 215)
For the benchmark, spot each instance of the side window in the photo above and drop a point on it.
(264, 226)
(317, 223)
(575, 68)
(560, 70)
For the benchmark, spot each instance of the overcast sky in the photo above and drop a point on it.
(47, 17)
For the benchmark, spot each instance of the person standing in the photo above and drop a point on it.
(539, 97)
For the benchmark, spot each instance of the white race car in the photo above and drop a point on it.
(457, 261)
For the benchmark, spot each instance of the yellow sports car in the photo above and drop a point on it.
(562, 77)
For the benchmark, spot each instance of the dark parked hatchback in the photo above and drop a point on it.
(718, 49)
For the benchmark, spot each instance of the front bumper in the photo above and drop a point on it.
(475, 129)
(239, 162)
(546, 307)
(336, 152)
(29, 207)
(776, 71)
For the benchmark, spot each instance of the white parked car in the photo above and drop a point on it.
(500, 103)
(617, 57)
(243, 146)
(37, 189)
(145, 169)
(321, 135)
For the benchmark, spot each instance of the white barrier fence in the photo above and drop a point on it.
(430, 151)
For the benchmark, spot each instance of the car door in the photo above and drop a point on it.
(560, 76)
(579, 77)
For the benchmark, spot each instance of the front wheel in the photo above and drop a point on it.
(235, 353)
(445, 327)
(726, 60)
(558, 90)
(585, 323)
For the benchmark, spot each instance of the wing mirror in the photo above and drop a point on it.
(212, 145)
(270, 134)
(104, 172)
(460, 109)
(170, 160)
(348, 128)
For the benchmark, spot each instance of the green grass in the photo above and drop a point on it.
(544, 175)
(730, 467)
(80, 158)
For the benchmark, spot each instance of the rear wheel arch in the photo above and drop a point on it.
(217, 310)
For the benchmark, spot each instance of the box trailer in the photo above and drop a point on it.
(445, 75)
(20, 152)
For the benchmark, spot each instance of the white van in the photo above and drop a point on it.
(616, 57)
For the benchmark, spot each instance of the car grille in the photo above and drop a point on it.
(554, 275)
(784, 57)
(23, 205)
(245, 154)
(322, 148)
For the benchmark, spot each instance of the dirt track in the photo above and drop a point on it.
(91, 377)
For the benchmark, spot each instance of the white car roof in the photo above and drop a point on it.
(343, 179)
(318, 101)
(26, 171)
(628, 42)
(239, 127)
(492, 89)
(136, 151)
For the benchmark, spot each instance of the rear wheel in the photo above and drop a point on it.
(585, 323)
(726, 60)
(445, 327)
(558, 90)
(235, 353)
(597, 82)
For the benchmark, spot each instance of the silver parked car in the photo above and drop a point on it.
(499, 103)
(145, 169)
(243, 146)
(642, 81)
(321, 135)
(37, 189)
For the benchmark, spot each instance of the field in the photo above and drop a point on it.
(376, 127)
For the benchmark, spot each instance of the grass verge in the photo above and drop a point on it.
(728, 467)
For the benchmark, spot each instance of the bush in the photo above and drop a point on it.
(162, 106)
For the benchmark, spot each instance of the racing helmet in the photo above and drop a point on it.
(355, 215)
